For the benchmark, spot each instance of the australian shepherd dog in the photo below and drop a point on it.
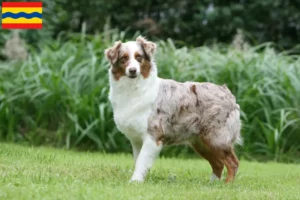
(153, 112)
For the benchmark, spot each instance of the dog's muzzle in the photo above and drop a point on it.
(132, 73)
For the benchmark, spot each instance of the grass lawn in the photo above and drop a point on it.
(44, 173)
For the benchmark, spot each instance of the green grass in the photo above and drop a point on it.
(45, 173)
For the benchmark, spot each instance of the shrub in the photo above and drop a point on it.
(186, 22)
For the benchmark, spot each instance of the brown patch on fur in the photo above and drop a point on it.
(232, 163)
(145, 64)
(226, 152)
(158, 110)
(158, 132)
(181, 108)
(118, 72)
(204, 131)
(119, 68)
(138, 57)
(213, 157)
(113, 52)
(147, 46)
(218, 157)
(145, 68)
(193, 89)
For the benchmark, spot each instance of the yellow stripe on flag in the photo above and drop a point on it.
(18, 9)
(22, 20)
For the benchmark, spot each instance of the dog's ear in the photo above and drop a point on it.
(112, 52)
(148, 47)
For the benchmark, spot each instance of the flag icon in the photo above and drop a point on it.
(22, 15)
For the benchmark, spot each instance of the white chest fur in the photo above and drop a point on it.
(132, 101)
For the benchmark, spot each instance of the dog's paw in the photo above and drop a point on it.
(214, 178)
(136, 180)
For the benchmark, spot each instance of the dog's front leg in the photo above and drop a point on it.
(136, 148)
(150, 150)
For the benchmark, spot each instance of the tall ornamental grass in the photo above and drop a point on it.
(58, 96)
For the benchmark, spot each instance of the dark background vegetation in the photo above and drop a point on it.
(188, 22)
(54, 92)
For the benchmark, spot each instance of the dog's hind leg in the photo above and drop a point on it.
(213, 157)
(232, 163)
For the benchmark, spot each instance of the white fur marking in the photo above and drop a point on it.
(145, 160)
(214, 177)
(132, 48)
(136, 149)
(132, 101)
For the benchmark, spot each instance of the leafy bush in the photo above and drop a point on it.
(186, 22)
(59, 95)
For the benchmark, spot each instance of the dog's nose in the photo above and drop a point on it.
(132, 71)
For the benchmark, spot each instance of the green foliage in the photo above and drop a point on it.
(59, 95)
(187, 22)
(43, 173)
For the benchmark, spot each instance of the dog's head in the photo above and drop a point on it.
(131, 59)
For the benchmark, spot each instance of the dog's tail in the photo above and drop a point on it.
(237, 138)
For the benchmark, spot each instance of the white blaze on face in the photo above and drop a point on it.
(132, 48)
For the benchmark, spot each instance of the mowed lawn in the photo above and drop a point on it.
(45, 173)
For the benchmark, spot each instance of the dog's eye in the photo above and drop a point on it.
(123, 60)
(139, 58)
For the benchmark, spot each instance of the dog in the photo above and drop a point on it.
(153, 112)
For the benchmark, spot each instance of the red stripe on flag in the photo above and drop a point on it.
(22, 4)
(22, 26)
